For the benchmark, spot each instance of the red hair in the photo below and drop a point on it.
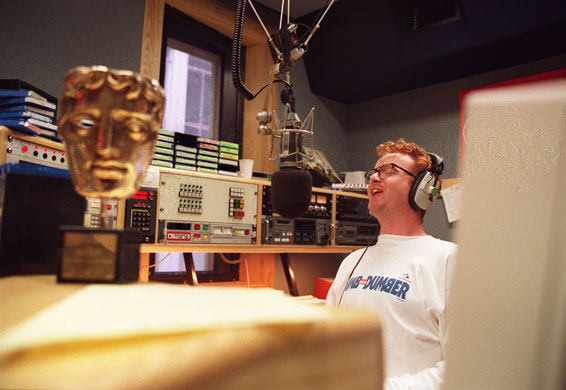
(420, 158)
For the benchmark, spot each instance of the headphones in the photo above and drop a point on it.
(426, 186)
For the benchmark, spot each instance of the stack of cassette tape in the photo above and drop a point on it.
(164, 155)
(185, 152)
(192, 153)
(207, 155)
(228, 155)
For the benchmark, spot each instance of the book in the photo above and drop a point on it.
(42, 124)
(44, 104)
(4, 93)
(49, 134)
(24, 115)
(21, 125)
(20, 84)
(24, 107)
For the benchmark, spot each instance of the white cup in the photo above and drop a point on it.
(246, 168)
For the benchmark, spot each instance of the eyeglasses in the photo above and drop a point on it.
(385, 171)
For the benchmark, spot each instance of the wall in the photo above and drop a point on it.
(429, 116)
(42, 39)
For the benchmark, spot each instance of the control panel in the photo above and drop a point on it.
(313, 231)
(194, 209)
(354, 223)
(319, 208)
(22, 151)
(356, 233)
(94, 209)
(353, 209)
(277, 230)
(141, 212)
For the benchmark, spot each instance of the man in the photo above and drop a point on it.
(405, 277)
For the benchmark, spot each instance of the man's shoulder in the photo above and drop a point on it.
(444, 246)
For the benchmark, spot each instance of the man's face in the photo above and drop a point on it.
(389, 197)
(109, 142)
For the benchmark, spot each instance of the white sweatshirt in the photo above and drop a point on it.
(406, 280)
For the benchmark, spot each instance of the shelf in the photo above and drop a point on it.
(230, 248)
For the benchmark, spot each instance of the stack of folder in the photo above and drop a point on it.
(27, 109)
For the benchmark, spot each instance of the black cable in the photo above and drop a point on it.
(356, 266)
(237, 52)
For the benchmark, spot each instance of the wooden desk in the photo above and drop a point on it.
(259, 255)
(163, 336)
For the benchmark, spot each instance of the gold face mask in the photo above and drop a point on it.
(109, 124)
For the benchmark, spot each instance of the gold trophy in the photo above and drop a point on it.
(109, 121)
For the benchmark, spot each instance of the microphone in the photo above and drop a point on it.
(291, 186)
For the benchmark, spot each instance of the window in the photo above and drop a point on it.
(196, 68)
(196, 72)
(192, 90)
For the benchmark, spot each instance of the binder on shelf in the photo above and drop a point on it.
(27, 107)
(43, 124)
(16, 84)
(22, 115)
(27, 100)
(21, 125)
(12, 93)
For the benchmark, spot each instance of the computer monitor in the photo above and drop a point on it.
(508, 302)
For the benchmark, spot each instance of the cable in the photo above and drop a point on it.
(356, 266)
(159, 262)
(243, 258)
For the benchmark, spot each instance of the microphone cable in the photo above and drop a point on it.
(376, 236)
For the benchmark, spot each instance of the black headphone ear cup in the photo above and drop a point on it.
(420, 181)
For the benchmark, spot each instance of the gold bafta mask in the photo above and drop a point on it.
(109, 124)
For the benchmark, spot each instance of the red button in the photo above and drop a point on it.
(24, 148)
(109, 207)
(197, 227)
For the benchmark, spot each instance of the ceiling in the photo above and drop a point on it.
(299, 8)
(366, 49)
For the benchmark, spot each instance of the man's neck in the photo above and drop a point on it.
(411, 226)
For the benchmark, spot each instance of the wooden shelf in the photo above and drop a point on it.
(229, 248)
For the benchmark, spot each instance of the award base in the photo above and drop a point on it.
(97, 255)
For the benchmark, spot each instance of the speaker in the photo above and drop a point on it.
(426, 186)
